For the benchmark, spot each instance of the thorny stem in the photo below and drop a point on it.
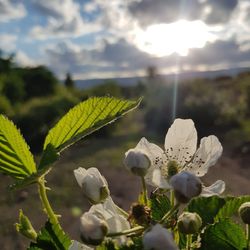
(169, 213)
(46, 205)
(144, 190)
(127, 232)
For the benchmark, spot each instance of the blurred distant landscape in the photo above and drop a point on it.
(33, 97)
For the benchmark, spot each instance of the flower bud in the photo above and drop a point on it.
(244, 212)
(159, 238)
(93, 184)
(137, 162)
(189, 223)
(186, 186)
(25, 227)
(93, 229)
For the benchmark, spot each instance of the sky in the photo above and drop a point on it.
(121, 38)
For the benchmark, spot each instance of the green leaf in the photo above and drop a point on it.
(51, 237)
(206, 207)
(85, 118)
(15, 158)
(49, 156)
(231, 207)
(160, 205)
(224, 235)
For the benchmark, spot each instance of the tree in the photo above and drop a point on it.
(69, 83)
(39, 81)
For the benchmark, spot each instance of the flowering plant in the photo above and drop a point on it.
(179, 213)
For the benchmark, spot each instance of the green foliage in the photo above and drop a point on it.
(51, 237)
(206, 207)
(85, 118)
(39, 81)
(15, 157)
(160, 205)
(224, 235)
(231, 207)
(13, 88)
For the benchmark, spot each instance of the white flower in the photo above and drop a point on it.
(93, 229)
(116, 221)
(186, 186)
(137, 162)
(159, 238)
(93, 184)
(181, 154)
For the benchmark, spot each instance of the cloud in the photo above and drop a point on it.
(63, 19)
(166, 11)
(10, 10)
(120, 59)
(8, 42)
(24, 60)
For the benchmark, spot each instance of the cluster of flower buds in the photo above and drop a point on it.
(103, 217)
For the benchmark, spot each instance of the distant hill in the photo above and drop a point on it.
(130, 81)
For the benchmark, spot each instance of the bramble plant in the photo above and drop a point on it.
(181, 212)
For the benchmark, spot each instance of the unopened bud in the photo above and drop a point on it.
(159, 238)
(189, 223)
(244, 212)
(25, 227)
(186, 186)
(137, 162)
(93, 184)
(93, 229)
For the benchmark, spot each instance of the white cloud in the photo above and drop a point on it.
(10, 11)
(63, 20)
(8, 42)
(25, 61)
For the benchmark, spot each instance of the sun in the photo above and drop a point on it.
(178, 37)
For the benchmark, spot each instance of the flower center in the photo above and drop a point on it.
(172, 168)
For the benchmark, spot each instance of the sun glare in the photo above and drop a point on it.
(165, 39)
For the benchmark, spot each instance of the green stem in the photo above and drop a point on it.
(123, 212)
(144, 190)
(248, 235)
(46, 205)
(189, 242)
(172, 198)
(169, 213)
(126, 232)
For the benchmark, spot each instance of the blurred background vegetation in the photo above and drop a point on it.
(35, 99)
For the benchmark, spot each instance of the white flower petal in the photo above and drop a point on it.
(215, 189)
(206, 156)
(153, 151)
(181, 141)
(80, 173)
(155, 178)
